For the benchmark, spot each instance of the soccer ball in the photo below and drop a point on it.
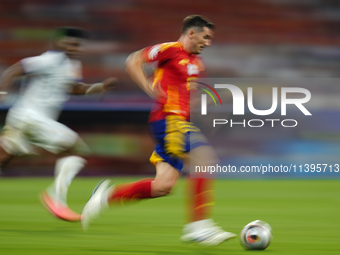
(256, 235)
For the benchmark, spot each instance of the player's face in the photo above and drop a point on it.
(201, 40)
(72, 46)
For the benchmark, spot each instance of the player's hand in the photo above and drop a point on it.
(110, 83)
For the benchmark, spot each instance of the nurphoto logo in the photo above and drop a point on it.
(238, 105)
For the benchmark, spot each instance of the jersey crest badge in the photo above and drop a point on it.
(184, 61)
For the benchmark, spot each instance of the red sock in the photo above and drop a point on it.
(132, 191)
(201, 196)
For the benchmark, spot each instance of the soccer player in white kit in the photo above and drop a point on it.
(31, 121)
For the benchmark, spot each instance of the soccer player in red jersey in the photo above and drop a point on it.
(178, 64)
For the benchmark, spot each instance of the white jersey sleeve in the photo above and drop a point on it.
(36, 65)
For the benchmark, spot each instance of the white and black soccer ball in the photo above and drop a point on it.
(256, 235)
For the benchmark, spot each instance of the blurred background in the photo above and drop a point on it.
(280, 39)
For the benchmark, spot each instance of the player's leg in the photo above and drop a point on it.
(104, 194)
(161, 185)
(66, 168)
(17, 138)
(201, 227)
(168, 166)
(166, 177)
(57, 138)
(12, 144)
(200, 188)
(54, 198)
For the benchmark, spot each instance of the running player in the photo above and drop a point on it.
(31, 121)
(178, 64)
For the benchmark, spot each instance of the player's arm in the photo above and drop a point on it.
(9, 75)
(134, 67)
(82, 88)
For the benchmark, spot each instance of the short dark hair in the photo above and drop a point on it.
(70, 32)
(196, 21)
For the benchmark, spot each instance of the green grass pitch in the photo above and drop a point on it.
(304, 215)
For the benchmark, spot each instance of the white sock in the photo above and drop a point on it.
(198, 225)
(65, 170)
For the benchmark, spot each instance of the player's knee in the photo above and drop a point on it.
(165, 190)
(65, 143)
(161, 190)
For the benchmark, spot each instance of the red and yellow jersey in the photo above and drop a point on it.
(172, 77)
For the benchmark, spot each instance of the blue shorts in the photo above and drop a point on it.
(175, 137)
